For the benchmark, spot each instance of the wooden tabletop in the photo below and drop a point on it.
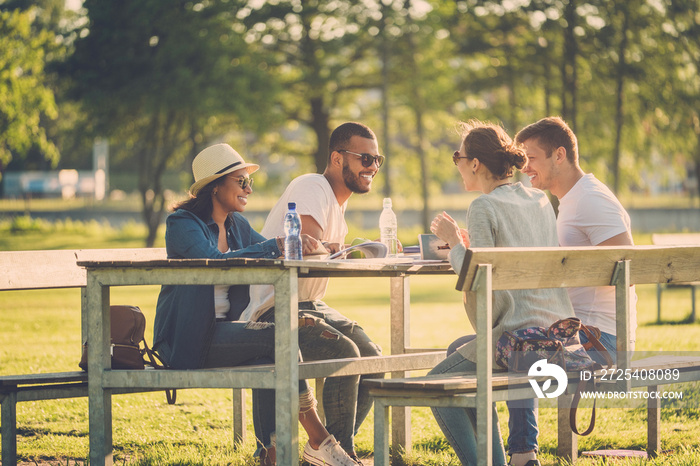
(307, 268)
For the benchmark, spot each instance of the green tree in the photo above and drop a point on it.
(25, 97)
(320, 52)
(161, 79)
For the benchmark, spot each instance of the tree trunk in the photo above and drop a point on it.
(619, 110)
(697, 167)
(424, 169)
(321, 126)
(385, 105)
(569, 66)
(163, 137)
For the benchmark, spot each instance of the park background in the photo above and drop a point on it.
(150, 83)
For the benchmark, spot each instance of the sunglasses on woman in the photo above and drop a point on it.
(367, 159)
(456, 156)
(243, 181)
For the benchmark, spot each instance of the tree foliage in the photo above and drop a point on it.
(25, 97)
(162, 79)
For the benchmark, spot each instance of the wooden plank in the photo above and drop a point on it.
(369, 364)
(667, 362)
(30, 270)
(45, 378)
(27, 270)
(526, 268)
(675, 239)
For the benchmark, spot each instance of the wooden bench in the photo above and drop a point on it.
(35, 270)
(676, 239)
(489, 269)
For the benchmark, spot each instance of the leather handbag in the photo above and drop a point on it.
(128, 326)
(128, 345)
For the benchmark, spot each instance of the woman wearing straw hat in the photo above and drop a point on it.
(195, 325)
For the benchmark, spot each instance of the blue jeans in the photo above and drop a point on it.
(459, 424)
(325, 333)
(608, 340)
(244, 344)
(522, 415)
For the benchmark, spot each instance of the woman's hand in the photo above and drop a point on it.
(446, 228)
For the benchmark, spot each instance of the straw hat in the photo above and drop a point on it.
(214, 162)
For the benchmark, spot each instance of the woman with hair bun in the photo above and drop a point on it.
(507, 214)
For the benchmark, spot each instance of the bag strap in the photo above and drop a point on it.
(574, 406)
(156, 361)
(598, 346)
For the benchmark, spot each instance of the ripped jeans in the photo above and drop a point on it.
(325, 333)
(244, 344)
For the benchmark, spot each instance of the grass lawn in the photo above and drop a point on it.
(40, 332)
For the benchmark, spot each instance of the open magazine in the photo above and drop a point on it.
(369, 250)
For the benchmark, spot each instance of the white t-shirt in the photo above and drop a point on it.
(314, 197)
(221, 303)
(588, 215)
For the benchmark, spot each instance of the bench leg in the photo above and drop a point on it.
(658, 303)
(692, 309)
(9, 428)
(567, 447)
(238, 416)
(320, 384)
(653, 424)
(381, 433)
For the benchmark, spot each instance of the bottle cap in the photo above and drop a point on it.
(387, 202)
(291, 205)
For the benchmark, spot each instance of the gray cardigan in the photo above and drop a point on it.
(513, 216)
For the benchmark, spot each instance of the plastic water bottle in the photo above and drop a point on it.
(292, 233)
(388, 228)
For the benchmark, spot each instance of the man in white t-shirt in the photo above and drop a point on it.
(324, 333)
(589, 215)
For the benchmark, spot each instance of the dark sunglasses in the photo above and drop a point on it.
(243, 181)
(367, 159)
(456, 157)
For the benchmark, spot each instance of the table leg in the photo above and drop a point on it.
(287, 368)
(238, 403)
(400, 340)
(99, 399)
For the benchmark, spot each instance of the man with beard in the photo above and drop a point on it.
(324, 333)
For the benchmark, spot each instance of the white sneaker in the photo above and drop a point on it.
(329, 453)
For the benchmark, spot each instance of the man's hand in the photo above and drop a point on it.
(310, 245)
(332, 247)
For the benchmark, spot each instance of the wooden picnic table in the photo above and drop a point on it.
(282, 377)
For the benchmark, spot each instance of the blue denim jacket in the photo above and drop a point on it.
(185, 314)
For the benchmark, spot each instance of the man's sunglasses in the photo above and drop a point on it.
(456, 157)
(243, 181)
(367, 159)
